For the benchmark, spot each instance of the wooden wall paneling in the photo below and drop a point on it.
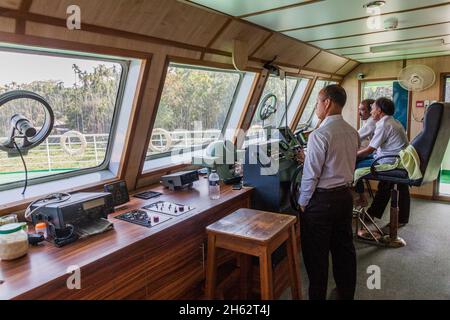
(144, 126)
(303, 102)
(137, 109)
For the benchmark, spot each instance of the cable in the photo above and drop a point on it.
(56, 197)
(24, 165)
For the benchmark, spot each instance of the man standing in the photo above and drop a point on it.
(367, 130)
(326, 200)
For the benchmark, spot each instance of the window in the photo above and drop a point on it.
(274, 86)
(83, 93)
(195, 106)
(295, 90)
(390, 89)
(377, 89)
(309, 118)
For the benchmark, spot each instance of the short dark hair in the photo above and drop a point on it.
(386, 105)
(368, 103)
(336, 94)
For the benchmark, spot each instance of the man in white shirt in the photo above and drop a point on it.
(326, 200)
(368, 128)
(389, 139)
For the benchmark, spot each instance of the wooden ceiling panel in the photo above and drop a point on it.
(327, 61)
(88, 38)
(288, 51)
(168, 19)
(10, 4)
(7, 24)
(346, 68)
(253, 35)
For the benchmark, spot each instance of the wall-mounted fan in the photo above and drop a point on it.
(416, 77)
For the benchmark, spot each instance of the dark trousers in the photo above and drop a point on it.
(383, 197)
(326, 226)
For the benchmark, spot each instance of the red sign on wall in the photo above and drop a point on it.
(420, 104)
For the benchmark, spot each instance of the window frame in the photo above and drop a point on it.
(227, 118)
(58, 53)
(297, 84)
(311, 117)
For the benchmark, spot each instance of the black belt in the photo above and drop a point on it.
(341, 188)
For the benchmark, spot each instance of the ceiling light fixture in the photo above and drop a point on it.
(406, 46)
(374, 4)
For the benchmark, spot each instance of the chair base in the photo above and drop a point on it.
(389, 242)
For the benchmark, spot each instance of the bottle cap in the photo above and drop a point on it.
(12, 228)
(41, 225)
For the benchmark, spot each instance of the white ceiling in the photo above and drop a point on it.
(341, 26)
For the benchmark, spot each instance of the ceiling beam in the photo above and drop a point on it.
(381, 31)
(290, 6)
(366, 17)
(217, 35)
(21, 23)
(387, 42)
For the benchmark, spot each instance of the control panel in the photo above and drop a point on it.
(144, 218)
(172, 209)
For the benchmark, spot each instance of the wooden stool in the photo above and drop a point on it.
(254, 233)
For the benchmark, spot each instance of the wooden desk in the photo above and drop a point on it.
(130, 262)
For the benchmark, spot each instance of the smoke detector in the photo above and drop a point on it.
(390, 24)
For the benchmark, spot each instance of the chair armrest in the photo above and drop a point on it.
(373, 170)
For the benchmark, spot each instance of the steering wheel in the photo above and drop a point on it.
(268, 106)
(294, 191)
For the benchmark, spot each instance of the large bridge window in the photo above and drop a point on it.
(277, 87)
(84, 95)
(309, 119)
(195, 106)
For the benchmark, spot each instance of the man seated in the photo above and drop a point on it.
(388, 139)
(368, 128)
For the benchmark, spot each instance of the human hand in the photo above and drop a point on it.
(300, 156)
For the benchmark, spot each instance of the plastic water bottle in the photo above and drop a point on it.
(214, 186)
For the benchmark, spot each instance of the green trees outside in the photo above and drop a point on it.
(192, 95)
(87, 106)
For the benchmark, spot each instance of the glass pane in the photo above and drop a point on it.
(274, 86)
(377, 89)
(194, 107)
(309, 118)
(82, 94)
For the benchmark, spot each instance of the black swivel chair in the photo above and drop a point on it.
(430, 145)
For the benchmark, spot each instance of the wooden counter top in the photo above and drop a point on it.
(47, 263)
